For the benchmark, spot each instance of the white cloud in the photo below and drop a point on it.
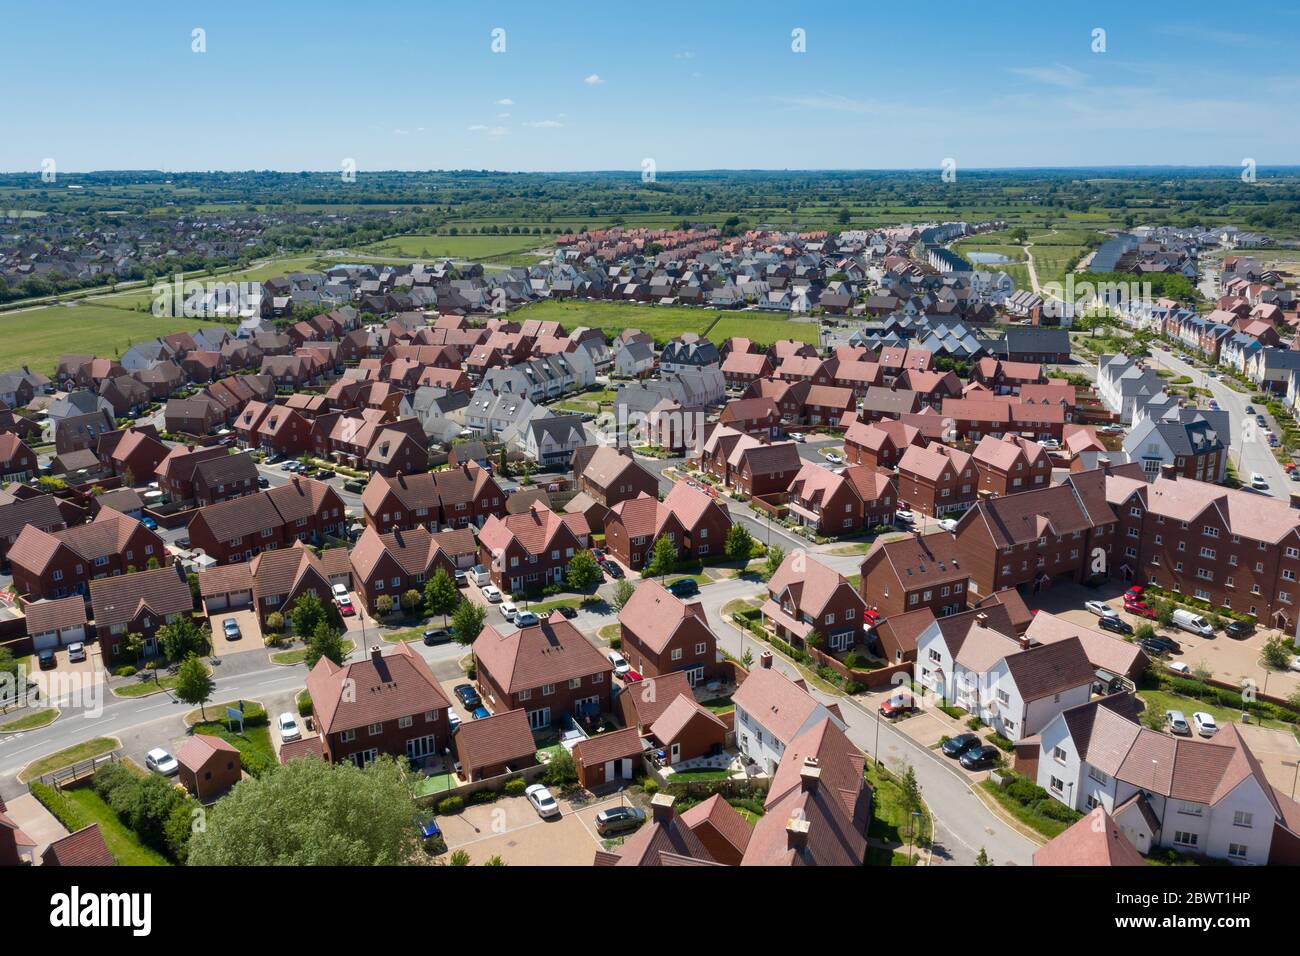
(593, 80)
(506, 102)
(544, 124)
(1058, 74)
(489, 130)
(503, 116)
(684, 55)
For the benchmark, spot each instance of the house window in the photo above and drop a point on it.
(701, 649)
(347, 736)
(374, 730)
(677, 654)
(935, 655)
(1238, 851)
(1243, 818)
(524, 694)
(404, 722)
(1098, 775)
(575, 683)
(1057, 785)
(548, 690)
(1058, 754)
(1183, 838)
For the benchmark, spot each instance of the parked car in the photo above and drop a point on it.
(619, 663)
(263, 481)
(1115, 625)
(426, 825)
(436, 635)
(453, 721)
(1101, 608)
(897, 705)
(1178, 667)
(230, 627)
(1240, 630)
(904, 517)
(1261, 420)
(542, 800)
(46, 659)
(509, 610)
(619, 820)
(799, 437)
(1258, 481)
(1192, 622)
(345, 606)
(527, 619)
(479, 712)
(340, 591)
(460, 577)
(956, 746)
(1134, 593)
(76, 652)
(566, 612)
(632, 677)
(948, 524)
(160, 761)
(979, 758)
(1250, 409)
(289, 728)
(1204, 724)
(149, 523)
(467, 695)
(1177, 723)
(684, 588)
(1138, 609)
(834, 459)
(491, 594)
(1050, 444)
(612, 569)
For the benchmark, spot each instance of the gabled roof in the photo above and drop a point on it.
(375, 689)
(1095, 840)
(550, 652)
(117, 600)
(503, 738)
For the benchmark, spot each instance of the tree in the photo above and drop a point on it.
(663, 559)
(313, 813)
(383, 605)
(983, 859)
(1144, 632)
(133, 645)
(583, 573)
(183, 638)
(747, 659)
(411, 599)
(440, 594)
(623, 592)
(307, 612)
(561, 772)
(740, 543)
(1164, 612)
(1276, 654)
(194, 684)
(911, 790)
(814, 638)
(467, 622)
(503, 466)
(325, 641)
(775, 555)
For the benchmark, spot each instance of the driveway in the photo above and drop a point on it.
(250, 633)
(1277, 751)
(510, 828)
(68, 677)
(38, 823)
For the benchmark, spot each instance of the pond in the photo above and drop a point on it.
(986, 258)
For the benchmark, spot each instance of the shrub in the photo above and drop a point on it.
(304, 704)
(852, 687)
(126, 670)
(975, 723)
(1025, 791)
(516, 787)
(64, 810)
(1055, 810)
(275, 622)
(451, 805)
(483, 796)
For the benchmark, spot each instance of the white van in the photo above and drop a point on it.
(479, 575)
(1192, 622)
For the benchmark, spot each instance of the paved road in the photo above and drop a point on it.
(1249, 447)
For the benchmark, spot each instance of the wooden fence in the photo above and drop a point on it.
(66, 776)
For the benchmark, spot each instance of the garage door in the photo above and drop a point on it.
(71, 635)
(218, 602)
(43, 641)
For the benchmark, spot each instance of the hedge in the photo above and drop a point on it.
(64, 810)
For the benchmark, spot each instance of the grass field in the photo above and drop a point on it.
(761, 329)
(122, 843)
(37, 338)
(665, 322)
(66, 758)
(456, 247)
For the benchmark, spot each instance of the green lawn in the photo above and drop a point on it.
(122, 842)
(1047, 826)
(66, 758)
(146, 688)
(699, 774)
(661, 322)
(457, 247)
(30, 721)
(256, 738)
(37, 337)
(890, 819)
(299, 654)
(1160, 701)
(762, 329)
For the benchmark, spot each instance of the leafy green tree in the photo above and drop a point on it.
(411, 599)
(1144, 632)
(561, 772)
(983, 858)
(440, 594)
(740, 543)
(1276, 654)
(307, 612)
(467, 622)
(775, 555)
(663, 559)
(911, 790)
(503, 466)
(194, 684)
(814, 638)
(183, 638)
(583, 573)
(383, 605)
(623, 591)
(313, 813)
(325, 641)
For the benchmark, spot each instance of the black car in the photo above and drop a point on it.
(468, 696)
(978, 758)
(46, 658)
(263, 481)
(1261, 420)
(612, 569)
(619, 820)
(567, 612)
(437, 635)
(956, 746)
(1115, 624)
(684, 588)
(1158, 645)
(1243, 629)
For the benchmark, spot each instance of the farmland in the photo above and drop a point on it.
(665, 322)
(37, 337)
(485, 248)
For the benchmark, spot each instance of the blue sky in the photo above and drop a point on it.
(290, 85)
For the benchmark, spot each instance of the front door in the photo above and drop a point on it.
(675, 754)
(540, 718)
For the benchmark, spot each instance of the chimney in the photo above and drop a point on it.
(661, 807)
(1167, 472)
(981, 617)
(1025, 642)
(796, 834)
(765, 660)
(376, 653)
(810, 775)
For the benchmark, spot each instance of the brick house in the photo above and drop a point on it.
(59, 563)
(919, 571)
(704, 520)
(225, 477)
(40, 511)
(758, 417)
(399, 561)
(609, 757)
(686, 731)
(528, 551)
(824, 502)
(879, 444)
(283, 431)
(757, 469)
(382, 704)
(460, 496)
(632, 528)
(138, 603)
(936, 479)
(662, 633)
(175, 473)
(610, 475)
(878, 493)
(741, 368)
(209, 766)
(1010, 465)
(301, 510)
(132, 453)
(280, 578)
(826, 405)
(547, 670)
(17, 461)
(805, 595)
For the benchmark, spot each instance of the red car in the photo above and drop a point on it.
(1139, 609)
(901, 704)
(1134, 593)
(632, 677)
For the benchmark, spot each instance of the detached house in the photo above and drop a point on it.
(528, 551)
(662, 634)
(772, 711)
(139, 603)
(919, 571)
(936, 479)
(805, 595)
